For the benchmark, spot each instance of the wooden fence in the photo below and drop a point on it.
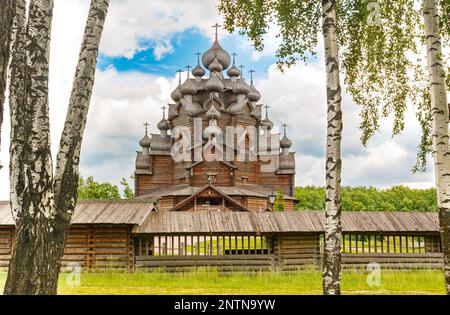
(113, 245)
(222, 262)
(282, 251)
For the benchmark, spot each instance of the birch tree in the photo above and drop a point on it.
(6, 16)
(299, 23)
(333, 231)
(43, 204)
(387, 73)
(440, 119)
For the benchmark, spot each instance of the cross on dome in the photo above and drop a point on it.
(179, 71)
(251, 71)
(234, 57)
(284, 128)
(188, 67)
(266, 107)
(241, 67)
(145, 141)
(216, 26)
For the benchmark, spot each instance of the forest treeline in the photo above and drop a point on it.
(396, 198)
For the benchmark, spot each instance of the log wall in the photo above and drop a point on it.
(87, 246)
(6, 244)
(293, 251)
(393, 260)
(200, 174)
(222, 262)
(99, 246)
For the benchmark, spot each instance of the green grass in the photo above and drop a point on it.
(209, 281)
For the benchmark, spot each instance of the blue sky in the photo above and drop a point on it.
(184, 44)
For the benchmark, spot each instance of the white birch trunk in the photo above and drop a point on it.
(31, 164)
(17, 104)
(6, 16)
(332, 251)
(67, 160)
(42, 224)
(440, 115)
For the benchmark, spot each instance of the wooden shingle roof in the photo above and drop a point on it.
(131, 212)
(295, 221)
(140, 214)
(5, 214)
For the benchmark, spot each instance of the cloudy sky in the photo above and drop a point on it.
(145, 42)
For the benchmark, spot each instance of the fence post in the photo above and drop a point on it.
(275, 242)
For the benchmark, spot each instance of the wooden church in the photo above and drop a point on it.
(205, 188)
(213, 98)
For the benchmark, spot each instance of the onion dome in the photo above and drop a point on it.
(198, 71)
(266, 122)
(176, 94)
(212, 113)
(240, 87)
(214, 84)
(216, 52)
(188, 88)
(233, 71)
(215, 66)
(253, 95)
(285, 142)
(163, 124)
(145, 141)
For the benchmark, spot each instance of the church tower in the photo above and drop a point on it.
(215, 150)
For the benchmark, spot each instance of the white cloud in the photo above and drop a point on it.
(271, 44)
(120, 103)
(129, 22)
(297, 98)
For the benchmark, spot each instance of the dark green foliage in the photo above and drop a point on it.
(397, 198)
(379, 43)
(445, 19)
(90, 189)
(298, 22)
(127, 191)
(279, 204)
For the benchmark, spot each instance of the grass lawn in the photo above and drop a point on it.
(209, 281)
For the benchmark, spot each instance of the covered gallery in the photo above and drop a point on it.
(132, 234)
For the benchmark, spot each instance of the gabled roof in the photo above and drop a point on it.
(237, 190)
(200, 162)
(216, 189)
(131, 212)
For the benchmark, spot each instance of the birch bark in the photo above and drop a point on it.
(332, 250)
(31, 171)
(440, 115)
(42, 223)
(67, 160)
(6, 18)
